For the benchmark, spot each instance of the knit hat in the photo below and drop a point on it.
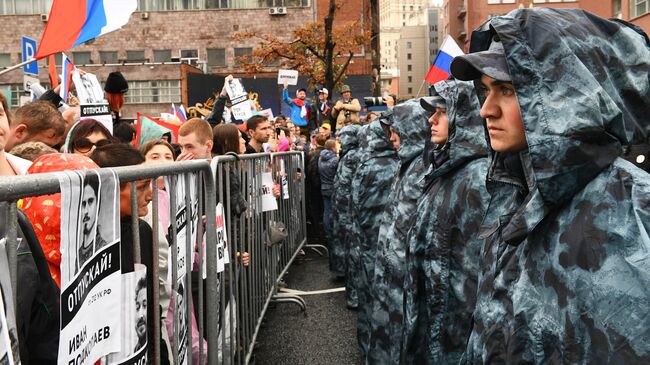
(116, 83)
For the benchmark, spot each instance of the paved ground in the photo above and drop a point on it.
(327, 335)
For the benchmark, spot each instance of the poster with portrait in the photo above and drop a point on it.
(89, 90)
(134, 319)
(9, 349)
(90, 266)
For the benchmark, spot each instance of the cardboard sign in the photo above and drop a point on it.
(268, 200)
(242, 111)
(288, 76)
(100, 112)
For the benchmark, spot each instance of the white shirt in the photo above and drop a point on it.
(20, 165)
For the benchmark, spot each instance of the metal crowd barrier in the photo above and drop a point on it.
(253, 288)
(230, 305)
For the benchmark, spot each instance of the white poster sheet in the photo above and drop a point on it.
(100, 112)
(288, 76)
(89, 90)
(236, 91)
(134, 319)
(243, 110)
(268, 200)
(285, 181)
(9, 349)
(91, 280)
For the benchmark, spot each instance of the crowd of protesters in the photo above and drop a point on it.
(497, 221)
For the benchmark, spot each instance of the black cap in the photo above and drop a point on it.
(491, 62)
(431, 103)
(116, 83)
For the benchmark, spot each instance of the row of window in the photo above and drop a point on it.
(534, 1)
(215, 57)
(12, 7)
(140, 92)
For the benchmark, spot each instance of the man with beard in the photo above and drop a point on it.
(300, 108)
(259, 131)
(91, 239)
(141, 314)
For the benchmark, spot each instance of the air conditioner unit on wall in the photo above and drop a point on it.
(281, 10)
(45, 17)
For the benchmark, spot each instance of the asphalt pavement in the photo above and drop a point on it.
(326, 335)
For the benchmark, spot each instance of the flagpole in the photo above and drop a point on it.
(421, 85)
(11, 68)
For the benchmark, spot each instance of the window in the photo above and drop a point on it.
(162, 55)
(409, 45)
(5, 59)
(135, 56)
(12, 92)
(189, 53)
(12, 7)
(81, 58)
(156, 5)
(409, 67)
(158, 91)
(216, 57)
(57, 59)
(639, 7)
(501, 1)
(410, 90)
(408, 56)
(410, 78)
(108, 57)
(241, 52)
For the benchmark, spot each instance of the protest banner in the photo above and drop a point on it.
(236, 91)
(134, 319)
(242, 111)
(89, 90)
(288, 76)
(285, 181)
(91, 265)
(268, 200)
(100, 112)
(9, 349)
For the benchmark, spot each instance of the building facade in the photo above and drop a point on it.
(463, 16)
(164, 40)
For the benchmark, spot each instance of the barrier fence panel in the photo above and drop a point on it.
(218, 302)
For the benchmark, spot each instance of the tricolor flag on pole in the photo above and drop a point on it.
(73, 22)
(182, 114)
(66, 77)
(440, 68)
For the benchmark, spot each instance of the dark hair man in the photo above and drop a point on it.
(91, 240)
(259, 131)
(36, 121)
(564, 271)
(322, 111)
(300, 108)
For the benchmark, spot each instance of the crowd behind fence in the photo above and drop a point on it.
(228, 305)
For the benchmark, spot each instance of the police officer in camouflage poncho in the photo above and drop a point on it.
(443, 247)
(342, 203)
(409, 133)
(565, 270)
(378, 165)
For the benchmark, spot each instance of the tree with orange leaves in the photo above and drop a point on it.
(318, 50)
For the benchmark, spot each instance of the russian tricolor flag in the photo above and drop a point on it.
(73, 22)
(440, 68)
(66, 77)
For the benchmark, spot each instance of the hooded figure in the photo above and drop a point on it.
(443, 248)
(378, 167)
(565, 270)
(409, 121)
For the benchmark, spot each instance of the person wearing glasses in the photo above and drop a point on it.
(87, 135)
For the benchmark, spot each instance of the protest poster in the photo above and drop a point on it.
(9, 350)
(134, 319)
(91, 281)
(89, 90)
(100, 112)
(285, 181)
(288, 76)
(268, 200)
(236, 91)
(242, 111)
(268, 113)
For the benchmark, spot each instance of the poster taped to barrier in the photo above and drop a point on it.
(222, 244)
(285, 181)
(9, 349)
(91, 281)
(134, 319)
(268, 200)
(184, 225)
(181, 312)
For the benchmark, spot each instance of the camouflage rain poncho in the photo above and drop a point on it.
(443, 245)
(565, 275)
(378, 164)
(385, 315)
(342, 199)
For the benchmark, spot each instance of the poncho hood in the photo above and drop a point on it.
(583, 89)
(374, 142)
(410, 122)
